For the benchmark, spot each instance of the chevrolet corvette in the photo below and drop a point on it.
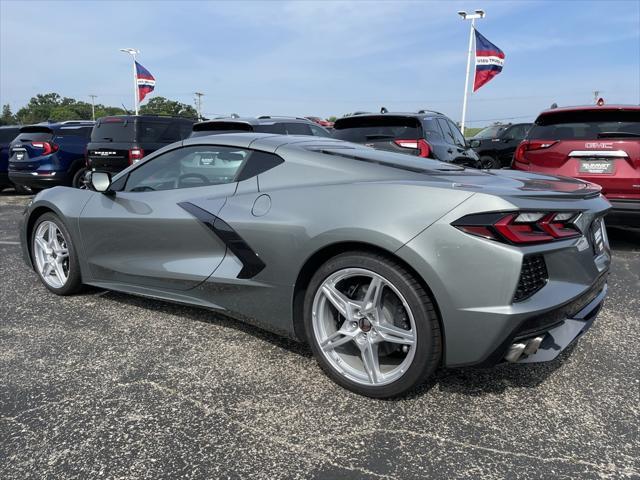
(389, 266)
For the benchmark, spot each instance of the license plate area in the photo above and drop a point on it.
(19, 154)
(596, 165)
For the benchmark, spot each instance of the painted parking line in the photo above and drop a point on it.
(7, 242)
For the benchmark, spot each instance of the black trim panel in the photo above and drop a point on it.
(252, 265)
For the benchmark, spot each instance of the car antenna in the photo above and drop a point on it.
(125, 109)
(384, 110)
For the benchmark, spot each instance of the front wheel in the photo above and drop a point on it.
(79, 179)
(371, 325)
(488, 162)
(54, 255)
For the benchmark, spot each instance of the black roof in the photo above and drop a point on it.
(149, 117)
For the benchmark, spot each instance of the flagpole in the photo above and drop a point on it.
(472, 17)
(133, 52)
(135, 82)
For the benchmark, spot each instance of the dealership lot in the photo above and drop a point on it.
(113, 386)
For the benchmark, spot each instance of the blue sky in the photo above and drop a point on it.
(322, 58)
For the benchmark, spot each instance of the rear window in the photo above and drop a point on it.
(212, 128)
(298, 129)
(140, 130)
(362, 130)
(74, 132)
(34, 134)
(586, 125)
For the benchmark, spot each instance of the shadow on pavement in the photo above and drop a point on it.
(625, 239)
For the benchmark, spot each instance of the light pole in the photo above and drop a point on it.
(473, 17)
(133, 52)
(93, 107)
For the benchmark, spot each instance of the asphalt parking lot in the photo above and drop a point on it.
(106, 385)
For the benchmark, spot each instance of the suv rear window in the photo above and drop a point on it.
(128, 130)
(74, 132)
(362, 130)
(586, 125)
(34, 133)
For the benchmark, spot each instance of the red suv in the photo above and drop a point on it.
(600, 144)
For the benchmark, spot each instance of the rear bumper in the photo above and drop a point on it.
(624, 213)
(36, 180)
(565, 325)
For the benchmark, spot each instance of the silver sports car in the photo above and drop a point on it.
(389, 266)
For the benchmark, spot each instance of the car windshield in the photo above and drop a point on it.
(587, 125)
(489, 132)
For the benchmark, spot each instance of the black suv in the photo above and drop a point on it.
(7, 134)
(424, 134)
(121, 140)
(496, 144)
(264, 124)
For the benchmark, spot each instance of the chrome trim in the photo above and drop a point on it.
(599, 153)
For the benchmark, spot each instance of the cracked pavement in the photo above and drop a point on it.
(107, 385)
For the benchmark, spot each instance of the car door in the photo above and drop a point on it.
(156, 231)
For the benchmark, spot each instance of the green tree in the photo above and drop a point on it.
(164, 106)
(332, 118)
(7, 117)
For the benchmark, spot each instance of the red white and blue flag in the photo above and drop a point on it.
(146, 82)
(489, 61)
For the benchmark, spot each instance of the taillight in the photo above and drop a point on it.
(135, 155)
(520, 227)
(421, 144)
(46, 146)
(529, 145)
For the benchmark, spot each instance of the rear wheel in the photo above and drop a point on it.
(54, 255)
(488, 162)
(371, 325)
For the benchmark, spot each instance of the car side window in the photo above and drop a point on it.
(431, 129)
(458, 138)
(448, 136)
(319, 131)
(298, 129)
(193, 166)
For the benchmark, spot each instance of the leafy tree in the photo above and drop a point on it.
(332, 118)
(164, 106)
(7, 117)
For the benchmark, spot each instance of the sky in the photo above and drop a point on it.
(323, 57)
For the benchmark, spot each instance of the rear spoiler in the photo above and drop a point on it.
(35, 129)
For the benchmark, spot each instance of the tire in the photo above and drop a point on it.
(78, 178)
(69, 264)
(489, 162)
(341, 343)
(23, 190)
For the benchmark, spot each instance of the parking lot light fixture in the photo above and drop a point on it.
(478, 14)
(133, 52)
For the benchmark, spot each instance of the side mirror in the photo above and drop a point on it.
(474, 143)
(100, 181)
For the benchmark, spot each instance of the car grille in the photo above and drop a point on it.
(533, 277)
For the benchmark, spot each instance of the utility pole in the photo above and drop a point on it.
(596, 96)
(93, 107)
(199, 96)
(468, 16)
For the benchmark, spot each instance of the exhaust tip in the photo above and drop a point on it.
(523, 348)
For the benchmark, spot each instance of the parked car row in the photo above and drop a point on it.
(599, 143)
